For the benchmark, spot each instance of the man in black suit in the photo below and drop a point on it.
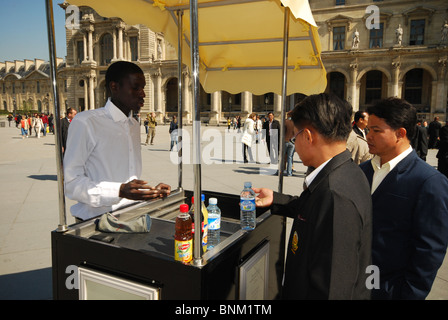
(65, 123)
(433, 131)
(329, 249)
(361, 118)
(271, 132)
(442, 155)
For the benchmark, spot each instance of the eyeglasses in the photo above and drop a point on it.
(293, 139)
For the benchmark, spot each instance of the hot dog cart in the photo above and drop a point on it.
(90, 264)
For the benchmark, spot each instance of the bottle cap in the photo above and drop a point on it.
(202, 197)
(184, 208)
(192, 200)
(247, 184)
(212, 201)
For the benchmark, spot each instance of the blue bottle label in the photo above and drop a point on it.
(214, 223)
(247, 205)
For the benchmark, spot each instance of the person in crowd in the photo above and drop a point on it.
(51, 123)
(272, 135)
(65, 123)
(330, 243)
(45, 122)
(38, 125)
(420, 142)
(151, 133)
(10, 117)
(360, 123)
(289, 145)
(410, 205)
(103, 163)
(173, 132)
(433, 132)
(248, 137)
(442, 154)
(24, 126)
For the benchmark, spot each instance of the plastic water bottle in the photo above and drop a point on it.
(247, 207)
(214, 223)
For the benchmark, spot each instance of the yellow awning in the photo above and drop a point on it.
(240, 41)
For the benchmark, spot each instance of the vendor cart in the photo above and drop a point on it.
(89, 264)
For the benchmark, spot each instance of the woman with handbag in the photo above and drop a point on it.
(248, 136)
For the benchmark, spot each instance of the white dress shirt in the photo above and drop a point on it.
(381, 171)
(103, 151)
(309, 178)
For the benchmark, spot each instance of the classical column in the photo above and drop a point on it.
(441, 95)
(215, 112)
(114, 35)
(395, 77)
(353, 90)
(84, 39)
(157, 80)
(246, 107)
(86, 95)
(120, 41)
(188, 97)
(91, 92)
(277, 105)
(90, 44)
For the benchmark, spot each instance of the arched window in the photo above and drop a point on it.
(106, 49)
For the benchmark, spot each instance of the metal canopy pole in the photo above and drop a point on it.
(58, 136)
(197, 250)
(180, 14)
(284, 85)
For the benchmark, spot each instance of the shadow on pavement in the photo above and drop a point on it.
(28, 285)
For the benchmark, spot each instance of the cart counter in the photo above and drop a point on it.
(89, 264)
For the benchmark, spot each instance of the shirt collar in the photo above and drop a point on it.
(376, 161)
(116, 114)
(309, 178)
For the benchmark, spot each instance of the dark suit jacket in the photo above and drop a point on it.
(330, 243)
(64, 131)
(420, 142)
(275, 125)
(410, 228)
(358, 131)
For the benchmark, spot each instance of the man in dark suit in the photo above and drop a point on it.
(65, 123)
(361, 119)
(410, 205)
(420, 142)
(442, 154)
(330, 244)
(271, 132)
(433, 131)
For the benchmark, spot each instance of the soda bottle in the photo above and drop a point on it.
(247, 207)
(214, 223)
(183, 240)
(204, 223)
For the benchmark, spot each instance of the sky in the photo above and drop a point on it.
(23, 30)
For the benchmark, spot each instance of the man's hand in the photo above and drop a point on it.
(140, 190)
(264, 198)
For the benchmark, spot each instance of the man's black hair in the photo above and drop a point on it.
(359, 115)
(327, 113)
(120, 70)
(397, 113)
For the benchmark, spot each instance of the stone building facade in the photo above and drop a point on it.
(365, 57)
(403, 55)
(26, 85)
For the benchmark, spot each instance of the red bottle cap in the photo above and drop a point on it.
(184, 208)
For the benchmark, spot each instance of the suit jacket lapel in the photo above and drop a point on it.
(391, 179)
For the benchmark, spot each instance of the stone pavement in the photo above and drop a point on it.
(29, 199)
